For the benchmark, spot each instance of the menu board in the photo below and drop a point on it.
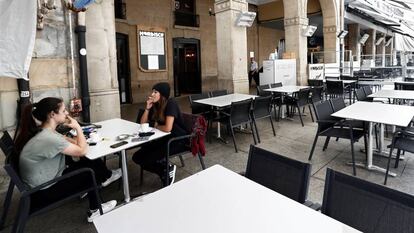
(152, 50)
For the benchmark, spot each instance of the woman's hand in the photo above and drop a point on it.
(72, 123)
(150, 102)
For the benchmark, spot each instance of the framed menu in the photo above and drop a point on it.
(152, 49)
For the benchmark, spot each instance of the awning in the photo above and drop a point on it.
(17, 37)
(404, 43)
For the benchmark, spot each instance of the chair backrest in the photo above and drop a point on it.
(406, 79)
(366, 206)
(323, 111)
(273, 85)
(315, 82)
(367, 90)
(6, 143)
(281, 174)
(397, 86)
(337, 104)
(261, 92)
(197, 108)
(240, 111)
(360, 94)
(218, 93)
(332, 77)
(334, 87)
(407, 86)
(303, 97)
(12, 168)
(261, 106)
(316, 93)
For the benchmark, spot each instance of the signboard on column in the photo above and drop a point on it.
(316, 71)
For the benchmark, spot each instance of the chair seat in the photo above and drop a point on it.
(405, 144)
(342, 133)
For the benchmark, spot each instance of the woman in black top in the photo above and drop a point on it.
(164, 114)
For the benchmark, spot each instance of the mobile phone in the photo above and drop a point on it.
(147, 134)
(121, 143)
(140, 139)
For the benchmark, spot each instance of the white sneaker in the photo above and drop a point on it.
(106, 207)
(173, 169)
(116, 174)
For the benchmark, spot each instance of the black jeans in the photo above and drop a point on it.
(151, 157)
(67, 187)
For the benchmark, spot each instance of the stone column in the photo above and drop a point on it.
(331, 44)
(353, 38)
(102, 71)
(380, 50)
(297, 43)
(370, 43)
(231, 46)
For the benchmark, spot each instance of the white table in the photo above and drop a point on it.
(393, 94)
(216, 200)
(286, 89)
(109, 132)
(224, 101)
(384, 114)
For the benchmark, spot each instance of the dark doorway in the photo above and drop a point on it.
(187, 69)
(124, 74)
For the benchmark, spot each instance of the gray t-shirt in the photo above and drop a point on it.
(41, 159)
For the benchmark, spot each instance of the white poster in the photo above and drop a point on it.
(151, 43)
(17, 37)
(153, 63)
(316, 71)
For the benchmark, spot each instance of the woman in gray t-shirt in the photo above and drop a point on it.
(41, 156)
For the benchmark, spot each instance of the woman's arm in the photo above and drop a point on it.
(78, 147)
(169, 121)
(144, 117)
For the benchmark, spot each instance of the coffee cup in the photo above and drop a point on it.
(145, 127)
(94, 137)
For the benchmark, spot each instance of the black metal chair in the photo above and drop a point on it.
(365, 206)
(360, 94)
(334, 89)
(194, 129)
(261, 92)
(216, 93)
(261, 109)
(277, 100)
(197, 108)
(315, 82)
(274, 85)
(7, 146)
(315, 94)
(403, 140)
(27, 209)
(300, 101)
(281, 174)
(329, 126)
(239, 115)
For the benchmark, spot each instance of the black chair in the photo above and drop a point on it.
(281, 174)
(197, 108)
(365, 206)
(329, 126)
(27, 209)
(261, 92)
(315, 94)
(238, 116)
(367, 90)
(334, 89)
(261, 109)
(360, 94)
(274, 85)
(194, 131)
(300, 101)
(7, 146)
(315, 82)
(216, 93)
(403, 140)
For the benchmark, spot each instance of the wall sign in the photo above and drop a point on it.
(152, 51)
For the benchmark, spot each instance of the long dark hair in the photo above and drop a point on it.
(40, 111)
(159, 109)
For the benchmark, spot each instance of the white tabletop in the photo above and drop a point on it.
(389, 114)
(216, 200)
(343, 81)
(110, 130)
(286, 89)
(394, 94)
(224, 100)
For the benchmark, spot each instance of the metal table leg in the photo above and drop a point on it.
(125, 176)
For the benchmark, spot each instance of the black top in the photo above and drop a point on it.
(171, 109)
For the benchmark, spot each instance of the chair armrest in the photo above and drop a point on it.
(225, 113)
(328, 121)
(63, 177)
